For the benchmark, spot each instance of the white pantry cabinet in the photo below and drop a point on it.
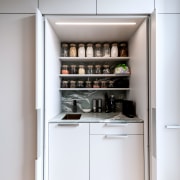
(167, 96)
(69, 151)
(125, 7)
(116, 155)
(18, 6)
(67, 6)
(164, 6)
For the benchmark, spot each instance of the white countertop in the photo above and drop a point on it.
(96, 118)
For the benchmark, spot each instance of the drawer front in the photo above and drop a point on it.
(117, 128)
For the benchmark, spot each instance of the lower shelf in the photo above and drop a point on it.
(93, 89)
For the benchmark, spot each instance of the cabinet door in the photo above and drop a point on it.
(68, 6)
(69, 151)
(127, 7)
(18, 6)
(116, 157)
(167, 96)
(164, 6)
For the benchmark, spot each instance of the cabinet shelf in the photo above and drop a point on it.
(95, 89)
(90, 59)
(95, 75)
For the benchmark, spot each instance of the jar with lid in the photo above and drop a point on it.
(96, 84)
(65, 84)
(103, 84)
(81, 50)
(72, 84)
(73, 69)
(80, 84)
(88, 84)
(81, 69)
(114, 50)
(64, 69)
(111, 84)
(65, 50)
(72, 51)
(106, 50)
(123, 50)
(90, 69)
(98, 50)
(89, 50)
(97, 69)
(106, 69)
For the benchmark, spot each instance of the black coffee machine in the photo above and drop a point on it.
(128, 108)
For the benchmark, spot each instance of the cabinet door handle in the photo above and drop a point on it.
(172, 126)
(116, 124)
(116, 136)
(68, 124)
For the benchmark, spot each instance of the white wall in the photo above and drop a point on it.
(17, 97)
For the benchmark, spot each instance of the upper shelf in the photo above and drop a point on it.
(94, 59)
(95, 75)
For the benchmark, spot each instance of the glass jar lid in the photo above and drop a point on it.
(64, 45)
(81, 45)
(73, 45)
(98, 45)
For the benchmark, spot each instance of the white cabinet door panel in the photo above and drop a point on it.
(18, 6)
(127, 7)
(69, 151)
(67, 6)
(113, 157)
(168, 99)
(164, 6)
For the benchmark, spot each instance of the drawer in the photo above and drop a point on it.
(116, 128)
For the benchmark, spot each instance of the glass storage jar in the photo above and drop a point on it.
(90, 69)
(73, 69)
(88, 84)
(81, 69)
(96, 84)
(89, 50)
(80, 84)
(114, 50)
(64, 50)
(81, 50)
(106, 50)
(64, 69)
(72, 51)
(123, 50)
(103, 84)
(111, 84)
(98, 50)
(106, 69)
(65, 84)
(97, 69)
(72, 84)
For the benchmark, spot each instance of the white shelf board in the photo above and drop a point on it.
(79, 59)
(93, 89)
(95, 75)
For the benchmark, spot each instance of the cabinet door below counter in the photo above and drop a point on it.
(68, 151)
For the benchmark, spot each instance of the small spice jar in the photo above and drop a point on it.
(90, 69)
(97, 69)
(89, 50)
(96, 84)
(114, 50)
(72, 51)
(88, 84)
(72, 84)
(98, 50)
(123, 50)
(65, 50)
(106, 69)
(81, 69)
(103, 84)
(64, 69)
(111, 84)
(73, 69)
(80, 84)
(65, 84)
(81, 50)
(106, 50)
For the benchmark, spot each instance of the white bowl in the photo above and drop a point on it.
(86, 110)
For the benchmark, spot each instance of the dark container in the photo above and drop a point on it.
(128, 108)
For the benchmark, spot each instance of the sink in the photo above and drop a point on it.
(72, 117)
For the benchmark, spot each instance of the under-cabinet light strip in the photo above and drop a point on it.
(97, 23)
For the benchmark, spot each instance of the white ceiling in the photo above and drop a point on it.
(103, 33)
